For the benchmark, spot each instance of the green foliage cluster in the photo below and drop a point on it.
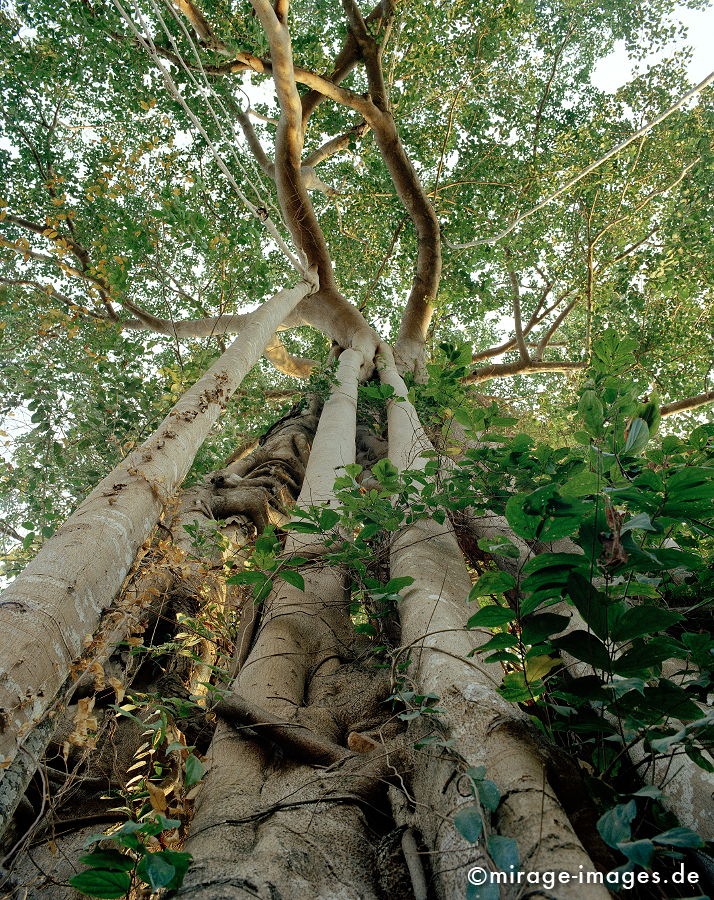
(635, 519)
(112, 872)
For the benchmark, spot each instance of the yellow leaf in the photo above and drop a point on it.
(539, 666)
(157, 798)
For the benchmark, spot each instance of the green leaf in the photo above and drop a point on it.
(581, 485)
(638, 435)
(504, 852)
(642, 657)
(328, 519)
(395, 585)
(516, 689)
(293, 578)
(642, 620)
(468, 823)
(108, 859)
(585, 647)
(669, 699)
(591, 412)
(180, 861)
(679, 837)
(638, 852)
(492, 583)
(489, 890)
(156, 870)
(303, 527)
(544, 514)
(491, 617)
(614, 826)
(537, 628)
(488, 794)
(597, 609)
(499, 546)
(195, 770)
(102, 883)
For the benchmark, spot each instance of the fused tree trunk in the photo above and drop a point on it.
(271, 820)
(57, 600)
(487, 730)
(182, 576)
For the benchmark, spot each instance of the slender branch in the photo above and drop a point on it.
(550, 331)
(336, 144)
(266, 164)
(516, 302)
(536, 318)
(200, 25)
(500, 370)
(688, 403)
(588, 169)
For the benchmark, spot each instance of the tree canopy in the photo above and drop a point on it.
(425, 316)
(136, 164)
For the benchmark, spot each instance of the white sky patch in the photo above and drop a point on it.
(616, 69)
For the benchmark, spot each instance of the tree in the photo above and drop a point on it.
(279, 646)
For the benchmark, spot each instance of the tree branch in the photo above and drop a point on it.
(516, 303)
(336, 144)
(688, 403)
(296, 366)
(419, 307)
(500, 370)
(327, 309)
(200, 25)
(550, 331)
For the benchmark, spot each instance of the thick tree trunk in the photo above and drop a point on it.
(487, 730)
(56, 601)
(271, 821)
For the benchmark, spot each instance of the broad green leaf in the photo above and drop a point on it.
(156, 870)
(504, 852)
(492, 583)
(195, 770)
(104, 883)
(643, 620)
(585, 647)
(468, 823)
(491, 617)
(293, 578)
(615, 825)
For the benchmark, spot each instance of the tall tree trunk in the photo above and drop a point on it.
(52, 606)
(271, 820)
(488, 731)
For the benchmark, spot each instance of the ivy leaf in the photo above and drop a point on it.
(156, 870)
(638, 852)
(504, 852)
(468, 823)
(679, 837)
(614, 826)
